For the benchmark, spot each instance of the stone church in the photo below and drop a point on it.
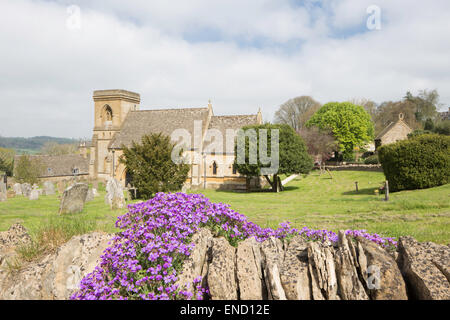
(119, 120)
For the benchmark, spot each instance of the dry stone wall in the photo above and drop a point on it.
(352, 269)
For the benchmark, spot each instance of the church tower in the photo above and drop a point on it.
(110, 110)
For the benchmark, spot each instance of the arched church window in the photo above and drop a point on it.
(214, 168)
(107, 114)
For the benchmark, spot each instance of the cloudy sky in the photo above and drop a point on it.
(240, 54)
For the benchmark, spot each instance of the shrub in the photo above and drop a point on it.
(417, 163)
(151, 167)
(373, 159)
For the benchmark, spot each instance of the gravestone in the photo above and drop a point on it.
(90, 195)
(17, 189)
(114, 194)
(11, 194)
(49, 188)
(61, 186)
(73, 198)
(3, 193)
(34, 194)
(95, 192)
(26, 189)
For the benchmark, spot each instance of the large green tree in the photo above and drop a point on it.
(288, 154)
(350, 124)
(28, 169)
(151, 167)
(7, 161)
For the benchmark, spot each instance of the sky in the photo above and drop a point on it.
(243, 55)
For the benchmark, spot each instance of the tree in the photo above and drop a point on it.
(292, 154)
(55, 149)
(295, 112)
(7, 161)
(368, 105)
(429, 125)
(320, 143)
(388, 112)
(151, 167)
(426, 104)
(28, 170)
(350, 124)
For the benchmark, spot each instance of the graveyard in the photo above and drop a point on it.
(316, 201)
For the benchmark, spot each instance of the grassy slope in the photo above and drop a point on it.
(322, 203)
(315, 201)
(33, 214)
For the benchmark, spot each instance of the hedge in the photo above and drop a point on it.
(417, 163)
(373, 159)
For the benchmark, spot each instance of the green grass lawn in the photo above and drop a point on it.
(315, 201)
(322, 203)
(34, 214)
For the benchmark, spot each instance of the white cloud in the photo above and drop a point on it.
(48, 72)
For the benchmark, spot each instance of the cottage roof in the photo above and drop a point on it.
(391, 125)
(63, 165)
(165, 121)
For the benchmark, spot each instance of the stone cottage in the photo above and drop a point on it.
(393, 132)
(63, 167)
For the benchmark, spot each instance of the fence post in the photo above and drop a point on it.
(386, 191)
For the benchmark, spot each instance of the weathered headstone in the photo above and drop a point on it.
(61, 186)
(11, 194)
(73, 198)
(114, 194)
(3, 195)
(17, 189)
(95, 192)
(90, 195)
(34, 194)
(49, 188)
(26, 189)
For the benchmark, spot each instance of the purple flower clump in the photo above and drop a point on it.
(145, 258)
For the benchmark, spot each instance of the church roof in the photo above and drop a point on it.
(222, 123)
(165, 121)
(57, 166)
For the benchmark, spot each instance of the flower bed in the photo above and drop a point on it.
(143, 261)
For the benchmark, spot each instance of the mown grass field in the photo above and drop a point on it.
(322, 203)
(37, 213)
(315, 201)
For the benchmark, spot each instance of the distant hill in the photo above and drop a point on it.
(31, 145)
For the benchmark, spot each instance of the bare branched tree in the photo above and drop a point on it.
(320, 143)
(368, 105)
(295, 112)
